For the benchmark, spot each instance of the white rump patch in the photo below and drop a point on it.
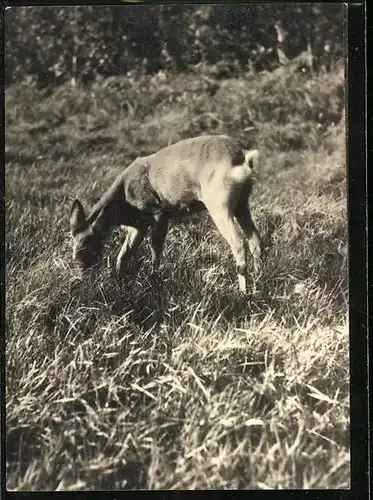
(241, 173)
(251, 158)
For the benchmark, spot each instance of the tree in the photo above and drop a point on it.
(50, 45)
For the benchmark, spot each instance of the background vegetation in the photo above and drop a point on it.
(189, 385)
(49, 45)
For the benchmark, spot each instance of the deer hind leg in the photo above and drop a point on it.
(133, 238)
(157, 239)
(222, 215)
(243, 216)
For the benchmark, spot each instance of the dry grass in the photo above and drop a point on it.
(185, 385)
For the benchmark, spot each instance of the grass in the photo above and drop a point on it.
(184, 384)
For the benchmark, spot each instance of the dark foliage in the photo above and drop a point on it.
(51, 45)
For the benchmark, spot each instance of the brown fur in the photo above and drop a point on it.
(208, 172)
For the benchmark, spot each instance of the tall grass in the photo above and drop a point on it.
(178, 383)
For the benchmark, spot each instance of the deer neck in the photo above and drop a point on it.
(106, 213)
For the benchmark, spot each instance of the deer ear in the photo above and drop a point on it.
(78, 219)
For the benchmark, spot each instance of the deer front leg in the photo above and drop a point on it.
(223, 218)
(158, 236)
(133, 238)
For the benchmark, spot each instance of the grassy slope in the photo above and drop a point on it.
(124, 385)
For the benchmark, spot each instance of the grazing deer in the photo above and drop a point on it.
(207, 172)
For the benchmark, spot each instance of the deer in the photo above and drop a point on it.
(210, 172)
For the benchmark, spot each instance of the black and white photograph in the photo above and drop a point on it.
(176, 247)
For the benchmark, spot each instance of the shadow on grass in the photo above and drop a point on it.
(95, 143)
(17, 157)
(23, 444)
(147, 306)
(129, 474)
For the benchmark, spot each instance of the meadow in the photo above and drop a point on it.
(122, 384)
